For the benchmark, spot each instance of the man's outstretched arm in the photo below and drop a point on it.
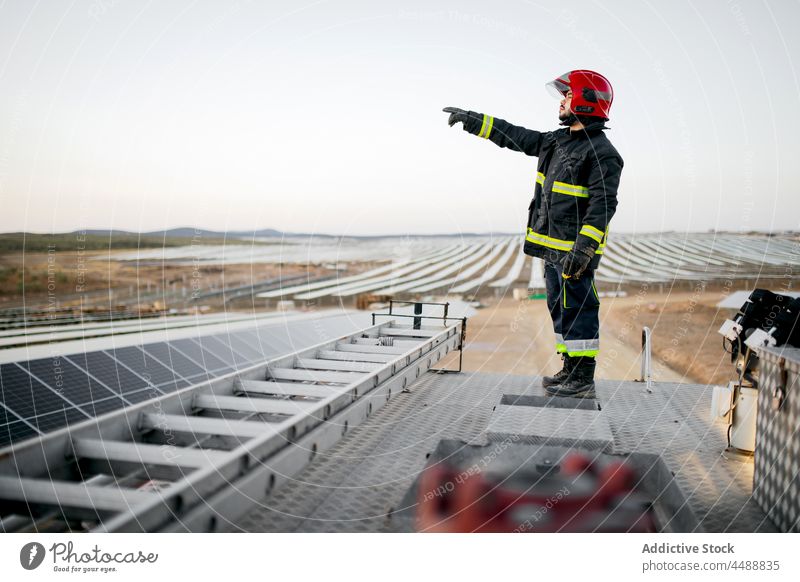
(502, 133)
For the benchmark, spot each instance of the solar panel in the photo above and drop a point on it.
(106, 369)
(174, 360)
(247, 347)
(71, 382)
(25, 396)
(222, 351)
(149, 368)
(273, 342)
(6, 416)
(56, 420)
(140, 373)
(142, 395)
(98, 407)
(208, 360)
(15, 431)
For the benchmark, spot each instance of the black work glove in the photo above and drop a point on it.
(576, 262)
(456, 115)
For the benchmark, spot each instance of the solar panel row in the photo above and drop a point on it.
(47, 394)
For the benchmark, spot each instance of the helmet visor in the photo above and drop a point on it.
(557, 88)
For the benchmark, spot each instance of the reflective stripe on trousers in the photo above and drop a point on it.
(574, 308)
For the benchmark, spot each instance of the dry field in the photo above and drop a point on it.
(70, 277)
(516, 337)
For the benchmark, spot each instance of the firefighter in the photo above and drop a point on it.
(574, 200)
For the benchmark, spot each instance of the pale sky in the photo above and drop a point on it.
(326, 116)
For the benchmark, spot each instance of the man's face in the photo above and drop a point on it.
(565, 109)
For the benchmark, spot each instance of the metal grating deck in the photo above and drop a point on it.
(354, 486)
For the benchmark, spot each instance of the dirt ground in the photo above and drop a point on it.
(71, 277)
(516, 337)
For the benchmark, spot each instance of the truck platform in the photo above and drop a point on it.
(359, 484)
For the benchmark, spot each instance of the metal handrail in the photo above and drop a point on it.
(647, 358)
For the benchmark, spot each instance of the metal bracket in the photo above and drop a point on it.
(418, 317)
(779, 391)
(647, 358)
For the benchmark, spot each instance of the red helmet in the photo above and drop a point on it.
(592, 94)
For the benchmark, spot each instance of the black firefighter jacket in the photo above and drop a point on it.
(576, 184)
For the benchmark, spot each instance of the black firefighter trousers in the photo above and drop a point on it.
(574, 307)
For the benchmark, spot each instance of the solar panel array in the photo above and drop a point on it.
(43, 395)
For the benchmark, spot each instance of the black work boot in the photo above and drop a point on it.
(559, 377)
(580, 383)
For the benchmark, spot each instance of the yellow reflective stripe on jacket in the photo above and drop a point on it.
(486, 126)
(548, 241)
(540, 178)
(489, 129)
(555, 243)
(592, 232)
(571, 189)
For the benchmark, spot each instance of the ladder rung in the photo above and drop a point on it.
(65, 494)
(286, 388)
(259, 405)
(145, 454)
(371, 349)
(355, 356)
(315, 364)
(201, 425)
(314, 375)
(408, 332)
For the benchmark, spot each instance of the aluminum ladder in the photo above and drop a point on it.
(193, 459)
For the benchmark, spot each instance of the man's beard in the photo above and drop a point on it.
(567, 118)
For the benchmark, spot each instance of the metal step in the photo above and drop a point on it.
(198, 425)
(354, 356)
(370, 349)
(192, 459)
(343, 366)
(285, 388)
(146, 454)
(256, 405)
(65, 495)
(313, 375)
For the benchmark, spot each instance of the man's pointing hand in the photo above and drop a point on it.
(456, 115)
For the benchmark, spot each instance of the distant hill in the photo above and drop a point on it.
(187, 233)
